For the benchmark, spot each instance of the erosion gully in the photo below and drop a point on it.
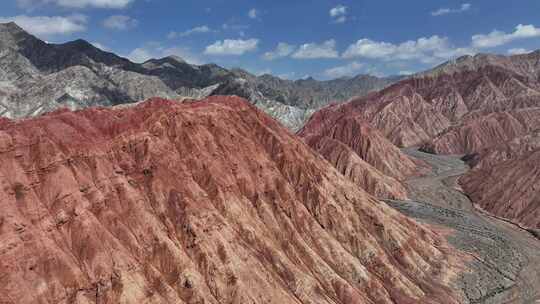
(503, 259)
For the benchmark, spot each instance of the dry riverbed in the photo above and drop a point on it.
(504, 264)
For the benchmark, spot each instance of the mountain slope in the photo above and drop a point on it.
(476, 133)
(505, 179)
(357, 170)
(210, 202)
(359, 151)
(484, 106)
(422, 108)
(37, 77)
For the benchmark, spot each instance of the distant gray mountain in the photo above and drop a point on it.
(36, 77)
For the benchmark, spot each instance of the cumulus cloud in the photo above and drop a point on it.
(350, 69)
(120, 22)
(339, 14)
(195, 30)
(253, 13)
(49, 25)
(232, 47)
(518, 51)
(427, 50)
(497, 38)
(156, 50)
(314, 50)
(444, 11)
(76, 3)
(282, 50)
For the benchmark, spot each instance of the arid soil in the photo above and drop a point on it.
(504, 260)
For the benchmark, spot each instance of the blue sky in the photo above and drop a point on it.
(291, 39)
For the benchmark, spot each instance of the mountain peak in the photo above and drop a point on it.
(12, 35)
(10, 26)
(12, 31)
(175, 58)
(79, 44)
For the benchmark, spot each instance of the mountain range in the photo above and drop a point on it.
(37, 77)
(167, 182)
(197, 202)
(484, 107)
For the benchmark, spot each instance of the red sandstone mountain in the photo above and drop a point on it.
(359, 151)
(505, 180)
(484, 106)
(477, 132)
(449, 104)
(348, 163)
(209, 202)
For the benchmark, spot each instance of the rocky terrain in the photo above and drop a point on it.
(360, 151)
(504, 265)
(462, 105)
(197, 202)
(202, 198)
(505, 180)
(37, 77)
(474, 134)
(486, 107)
(352, 166)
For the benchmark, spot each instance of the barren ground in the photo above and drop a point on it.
(505, 260)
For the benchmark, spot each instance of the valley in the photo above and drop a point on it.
(504, 264)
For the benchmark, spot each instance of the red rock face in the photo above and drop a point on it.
(208, 202)
(359, 151)
(505, 180)
(481, 131)
(348, 163)
(482, 106)
(439, 107)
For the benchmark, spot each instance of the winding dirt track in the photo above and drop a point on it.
(504, 263)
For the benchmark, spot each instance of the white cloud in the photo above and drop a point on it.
(444, 11)
(140, 55)
(195, 30)
(289, 75)
(261, 72)
(49, 25)
(341, 19)
(405, 73)
(76, 3)
(350, 69)
(518, 51)
(314, 50)
(100, 46)
(339, 14)
(120, 22)
(497, 38)
(232, 47)
(253, 13)
(370, 49)
(427, 50)
(338, 11)
(282, 50)
(156, 50)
